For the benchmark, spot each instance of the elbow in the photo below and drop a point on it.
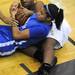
(20, 34)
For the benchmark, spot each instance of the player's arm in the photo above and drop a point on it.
(40, 10)
(5, 19)
(17, 34)
(13, 9)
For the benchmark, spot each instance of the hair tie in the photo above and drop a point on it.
(49, 12)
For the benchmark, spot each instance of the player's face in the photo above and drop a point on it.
(26, 3)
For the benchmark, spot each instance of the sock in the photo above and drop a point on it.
(39, 55)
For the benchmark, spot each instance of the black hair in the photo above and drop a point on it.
(56, 14)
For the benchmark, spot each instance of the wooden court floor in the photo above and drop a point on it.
(21, 64)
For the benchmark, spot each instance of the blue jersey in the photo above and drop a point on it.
(38, 31)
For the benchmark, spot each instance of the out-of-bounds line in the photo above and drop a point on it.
(26, 69)
(71, 40)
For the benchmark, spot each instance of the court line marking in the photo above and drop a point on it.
(26, 69)
(71, 40)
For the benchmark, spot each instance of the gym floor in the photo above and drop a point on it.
(21, 64)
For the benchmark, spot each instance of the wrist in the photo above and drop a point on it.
(13, 24)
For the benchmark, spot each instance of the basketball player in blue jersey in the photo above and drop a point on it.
(28, 32)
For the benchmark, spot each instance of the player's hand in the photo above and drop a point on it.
(13, 9)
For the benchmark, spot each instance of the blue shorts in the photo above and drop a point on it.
(7, 43)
